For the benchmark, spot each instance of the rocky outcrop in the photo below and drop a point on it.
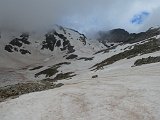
(17, 44)
(116, 35)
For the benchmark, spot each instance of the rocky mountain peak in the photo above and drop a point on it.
(122, 36)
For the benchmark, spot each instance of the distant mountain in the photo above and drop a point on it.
(115, 35)
(122, 36)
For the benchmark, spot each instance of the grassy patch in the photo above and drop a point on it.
(148, 60)
(14, 91)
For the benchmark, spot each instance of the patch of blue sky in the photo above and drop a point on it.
(140, 18)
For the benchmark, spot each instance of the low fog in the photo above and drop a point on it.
(83, 15)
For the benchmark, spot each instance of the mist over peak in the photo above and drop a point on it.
(82, 15)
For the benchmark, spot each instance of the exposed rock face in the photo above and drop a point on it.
(143, 35)
(9, 48)
(58, 44)
(50, 42)
(17, 43)
(116, 35)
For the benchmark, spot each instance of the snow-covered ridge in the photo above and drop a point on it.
(57, 42)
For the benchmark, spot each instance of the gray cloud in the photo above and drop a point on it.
(153, 20)
(84, 15)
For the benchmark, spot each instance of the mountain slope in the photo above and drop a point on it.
(98, 84)
(61, 41)
(120, 92)
(21, 53)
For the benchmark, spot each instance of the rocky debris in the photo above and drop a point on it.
(148, 60)
(14, 91)
(72, 56)
(149, 47)
(95, 76)
(52, 70)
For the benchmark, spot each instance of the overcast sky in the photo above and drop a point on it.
(82, 15)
